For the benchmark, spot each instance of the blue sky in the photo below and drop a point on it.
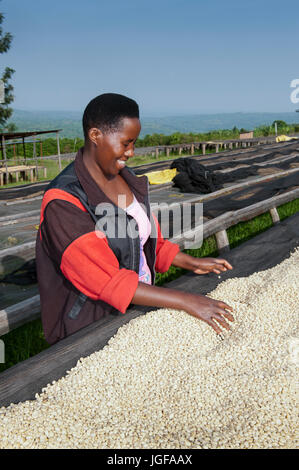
(172, 56)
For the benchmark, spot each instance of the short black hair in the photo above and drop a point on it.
(106, 111)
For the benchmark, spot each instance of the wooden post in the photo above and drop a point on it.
(275, 216)
(4, 154)
(157, 152)
(24, 149)
(222, 241)
(35, 156)
(180, 150)
(58, 151)
(203, 147)
(217, 148)
(192, 149)
(230, 145)
(167, 151)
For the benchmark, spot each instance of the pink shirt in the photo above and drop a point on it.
(135, 210)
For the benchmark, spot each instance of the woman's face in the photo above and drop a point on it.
(115, 148)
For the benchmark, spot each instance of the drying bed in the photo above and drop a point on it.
(166, 381)
(22, 381)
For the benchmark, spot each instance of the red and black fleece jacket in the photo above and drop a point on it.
(73, 259)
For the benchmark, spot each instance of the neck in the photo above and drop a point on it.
(94, 168)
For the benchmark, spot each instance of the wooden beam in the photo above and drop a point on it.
(16, 315)
(21, 200)
(17, 249)
(31, 219)
(23, 215)
(226, 220)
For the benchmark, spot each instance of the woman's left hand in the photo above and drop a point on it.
(208, 265)
(201, 265)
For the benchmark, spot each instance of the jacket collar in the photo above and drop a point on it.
(138, 184)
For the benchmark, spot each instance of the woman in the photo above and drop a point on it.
(98, 245)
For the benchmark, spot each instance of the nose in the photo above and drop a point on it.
(130, 151)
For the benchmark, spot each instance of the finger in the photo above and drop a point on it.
(214, 326)
(229, 316)
(216, 271)
(227, 265)
(224, 306)
(224, 312)
(224, 262)
(220, 267)
(200, 271)
(221, 320)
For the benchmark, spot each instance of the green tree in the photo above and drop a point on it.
(5, 110)
(280, 124)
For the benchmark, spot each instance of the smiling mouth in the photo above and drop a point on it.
(121, 163)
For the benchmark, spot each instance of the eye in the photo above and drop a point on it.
(126, 144)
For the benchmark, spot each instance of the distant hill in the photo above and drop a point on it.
(70, 122)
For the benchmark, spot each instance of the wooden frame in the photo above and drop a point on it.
(25, 311)
(24, 380)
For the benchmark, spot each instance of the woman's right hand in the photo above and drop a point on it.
(213, 312)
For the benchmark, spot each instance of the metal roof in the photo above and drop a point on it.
(21, 135)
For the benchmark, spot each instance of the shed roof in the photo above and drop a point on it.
(21, 135)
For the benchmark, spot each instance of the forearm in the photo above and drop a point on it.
(153, 296)
(198, 306)
(182, 260)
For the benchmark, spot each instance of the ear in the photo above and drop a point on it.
(95, 135)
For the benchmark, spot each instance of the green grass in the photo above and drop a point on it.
(243, 231)
(22, 343)
(52, 171)
(28, 340)
(288, 209)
